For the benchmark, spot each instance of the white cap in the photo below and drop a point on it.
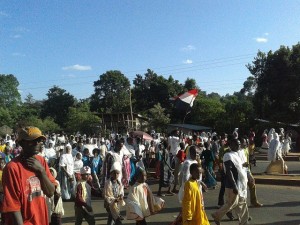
(85, 170)
(116, 166)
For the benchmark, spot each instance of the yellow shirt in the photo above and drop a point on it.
(2, 147)
(192, 206)
(1, 187)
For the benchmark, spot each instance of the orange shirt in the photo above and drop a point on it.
(23, 192)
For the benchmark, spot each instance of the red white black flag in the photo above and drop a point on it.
(185, 100)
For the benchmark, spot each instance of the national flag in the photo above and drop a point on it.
(185, 100)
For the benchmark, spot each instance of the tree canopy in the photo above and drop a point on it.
(9, 94)
(276, 80)
(112, 93)
(57, 105)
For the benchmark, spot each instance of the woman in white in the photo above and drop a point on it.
(78, 164)
(67, 178)
(274, 148)
(277, 164)
(286, 147)
(271, 135)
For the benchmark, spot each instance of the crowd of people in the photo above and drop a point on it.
(40, 172)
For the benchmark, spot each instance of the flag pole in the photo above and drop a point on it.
(188, 110)
(185, 116)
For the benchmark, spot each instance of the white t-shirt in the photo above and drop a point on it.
(67, 160)
(50, 153)
(173, 142)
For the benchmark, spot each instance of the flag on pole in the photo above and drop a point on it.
(185, 101)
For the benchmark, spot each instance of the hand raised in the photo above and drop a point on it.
(34, 164)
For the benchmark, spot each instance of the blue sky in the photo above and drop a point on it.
(70, 43)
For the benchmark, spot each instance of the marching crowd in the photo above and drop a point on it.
(39, 172)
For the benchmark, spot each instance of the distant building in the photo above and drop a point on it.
(188, 128)
(122, 122)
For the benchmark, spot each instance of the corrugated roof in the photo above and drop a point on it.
(190, 127)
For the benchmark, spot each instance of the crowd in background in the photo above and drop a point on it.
(120, 162)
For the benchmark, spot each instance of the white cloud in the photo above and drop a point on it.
(77, 67)
(16, 36)
(18, 54)
(261, 40)
(266, 34)
(188, 48)
(188, 61)
(2, 13)
(20, 30)
(69, 75)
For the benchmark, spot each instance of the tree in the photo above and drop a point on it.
(238, 113)
(46, 125)
(152, 89)
(5, 117)
(111, 93)
(30, 107)
(81, 119)
(190, 83)
(9, 94)
(276, 77)
(57, 105)
(205, 111)
(159, 119)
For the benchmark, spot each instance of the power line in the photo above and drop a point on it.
(184, 67)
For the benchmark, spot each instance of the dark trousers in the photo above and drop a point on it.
(80, 214)
(111, 221)
(141, 222)
(222, 189)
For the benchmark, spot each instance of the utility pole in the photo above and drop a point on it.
(130, 103)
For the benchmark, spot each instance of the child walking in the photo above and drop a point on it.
(83, 206)
(141, 202)
(192, 204)
(113, 195)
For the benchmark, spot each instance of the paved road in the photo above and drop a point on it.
(293, 167)
(281, 207)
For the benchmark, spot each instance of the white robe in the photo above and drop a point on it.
(242, 174)
(274, 148)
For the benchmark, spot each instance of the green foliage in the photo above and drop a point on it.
(276, 77)
(46, 125)
(111, 93)
(206, 111)
(159, 119)
(152, 89)
(29, 108)
(9, 94)
(81, 119)
(57, 105)
(5, 117)
(238, 112)
(190, 84)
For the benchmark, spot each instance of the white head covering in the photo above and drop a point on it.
(116, 166)
(85, 170)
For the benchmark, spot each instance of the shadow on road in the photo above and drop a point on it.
(284, 204)
(290, 222)
(71, 219)
(293, 214)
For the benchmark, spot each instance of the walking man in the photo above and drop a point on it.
(235, 186)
